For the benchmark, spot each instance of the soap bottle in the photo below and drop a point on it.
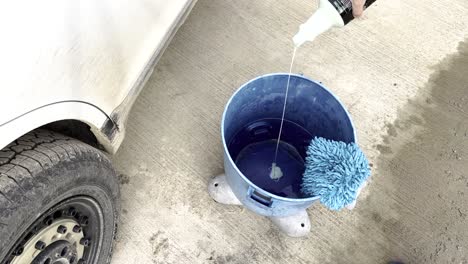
(331, 13)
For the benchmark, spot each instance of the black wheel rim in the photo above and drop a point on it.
(78, 226)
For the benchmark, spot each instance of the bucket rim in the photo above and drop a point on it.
(226, 150)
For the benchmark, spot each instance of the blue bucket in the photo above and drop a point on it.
(250, 128)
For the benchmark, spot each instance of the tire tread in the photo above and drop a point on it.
(25, 158)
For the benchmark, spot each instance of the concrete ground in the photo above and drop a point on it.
(402, 72)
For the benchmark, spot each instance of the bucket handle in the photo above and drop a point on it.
(260, 198)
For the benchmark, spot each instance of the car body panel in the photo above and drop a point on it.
(74, 110)
(79, 60)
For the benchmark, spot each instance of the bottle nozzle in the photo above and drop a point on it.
(322, 20)
(301, 37)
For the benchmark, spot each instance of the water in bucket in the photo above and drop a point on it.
(271, 162)
(253, 149)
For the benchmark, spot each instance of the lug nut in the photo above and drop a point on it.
(40, 245)
(77, 229)
(84, 242)
(61, 229)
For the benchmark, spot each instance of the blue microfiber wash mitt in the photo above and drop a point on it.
(334, 171)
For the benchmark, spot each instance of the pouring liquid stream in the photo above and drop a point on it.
(276, 173)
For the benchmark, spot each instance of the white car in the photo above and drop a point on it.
(71, 71)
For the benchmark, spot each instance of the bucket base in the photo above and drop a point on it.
(297, 225)
(221, 192)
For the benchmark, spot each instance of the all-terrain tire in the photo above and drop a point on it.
(42, 170)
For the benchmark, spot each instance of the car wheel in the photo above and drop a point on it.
(59, 201)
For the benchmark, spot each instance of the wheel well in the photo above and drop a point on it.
(75, 129)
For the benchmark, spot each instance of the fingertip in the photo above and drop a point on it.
(357, 13)
(358, 7)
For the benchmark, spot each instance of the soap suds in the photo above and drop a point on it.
(275, 173)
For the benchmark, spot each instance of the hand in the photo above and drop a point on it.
(358, 7)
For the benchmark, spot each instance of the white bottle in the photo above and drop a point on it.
(331, 13)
